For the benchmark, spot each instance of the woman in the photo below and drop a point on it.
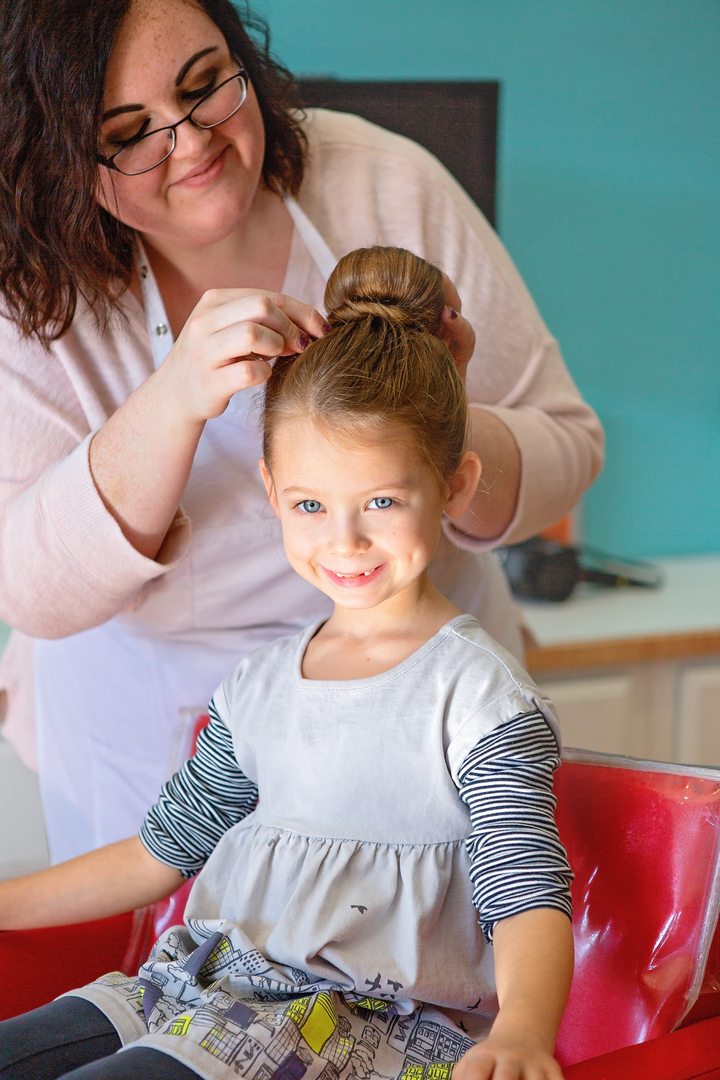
(145, 270)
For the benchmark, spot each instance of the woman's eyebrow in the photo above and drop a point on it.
(180, 76)
(193, 59)
(121, 109)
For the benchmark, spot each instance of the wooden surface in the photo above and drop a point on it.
(598, 628)
(568, 656)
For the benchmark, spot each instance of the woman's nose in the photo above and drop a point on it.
(191, 141)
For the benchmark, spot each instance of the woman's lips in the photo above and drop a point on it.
(357, 580)
(205, 174)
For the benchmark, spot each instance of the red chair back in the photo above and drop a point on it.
(642, 838)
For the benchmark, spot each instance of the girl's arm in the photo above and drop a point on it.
(204, 799)
(533, 971)
(521, 881)
(105, 882)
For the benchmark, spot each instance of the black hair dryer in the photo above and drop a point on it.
(540, 569)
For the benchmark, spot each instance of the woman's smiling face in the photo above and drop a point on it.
(166, 52)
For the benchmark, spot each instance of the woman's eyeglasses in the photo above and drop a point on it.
(146, 152)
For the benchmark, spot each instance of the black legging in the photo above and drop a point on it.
(70, 1038)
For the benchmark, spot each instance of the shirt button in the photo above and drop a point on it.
(161, 329)
(144, 271)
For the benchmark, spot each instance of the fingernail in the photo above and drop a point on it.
(303, 342)
(326, 327)
(453, 312)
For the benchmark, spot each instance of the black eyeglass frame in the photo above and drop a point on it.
(109, 162)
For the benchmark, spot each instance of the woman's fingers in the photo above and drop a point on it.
(241, 375)
(226, 343)
(232, 343)
(294, 321)
(305, 317)
(456, 331)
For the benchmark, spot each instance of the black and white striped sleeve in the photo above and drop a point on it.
(516, 859)
(207, 796)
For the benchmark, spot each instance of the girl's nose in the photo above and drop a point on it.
(348, 538)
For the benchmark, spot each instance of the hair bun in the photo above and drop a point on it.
(385, 283)
(351, 310)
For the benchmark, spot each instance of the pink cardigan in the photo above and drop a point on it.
(64, 563)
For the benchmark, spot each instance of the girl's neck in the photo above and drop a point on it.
(254, 256)
(358, 644)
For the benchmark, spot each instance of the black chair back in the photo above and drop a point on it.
(455, 121)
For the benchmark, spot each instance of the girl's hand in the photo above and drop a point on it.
(456, 331)
(504, 1059)
(226, 344)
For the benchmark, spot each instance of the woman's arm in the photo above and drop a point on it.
(113, 879)
(533, 971)
(142, 457)
(66, 563)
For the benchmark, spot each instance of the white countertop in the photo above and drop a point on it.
(688, 601)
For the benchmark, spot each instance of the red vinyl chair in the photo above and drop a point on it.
(643, 840)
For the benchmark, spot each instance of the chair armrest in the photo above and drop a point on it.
(692, 1053)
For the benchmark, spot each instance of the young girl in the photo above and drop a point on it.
(370, 806)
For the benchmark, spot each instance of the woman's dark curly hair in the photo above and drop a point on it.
(56, 241)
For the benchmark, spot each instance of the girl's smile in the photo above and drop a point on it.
(354, 580)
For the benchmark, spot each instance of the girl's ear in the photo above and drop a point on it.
(269, 486)
(463, 485)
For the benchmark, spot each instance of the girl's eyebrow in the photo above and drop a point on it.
(394, 485)
(180, 76)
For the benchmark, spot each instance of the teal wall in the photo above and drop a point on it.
(609, 204)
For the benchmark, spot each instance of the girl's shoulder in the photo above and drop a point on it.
(263, 670)
(486, 687)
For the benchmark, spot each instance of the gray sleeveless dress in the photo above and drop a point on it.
(332, 931)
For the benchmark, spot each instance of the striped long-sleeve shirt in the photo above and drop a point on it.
(516, 859)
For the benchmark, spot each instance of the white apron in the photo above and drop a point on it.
(110, 701)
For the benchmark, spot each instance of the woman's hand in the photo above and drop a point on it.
(141, 458)
(456, 331)
(506, 1059)
(226, 344)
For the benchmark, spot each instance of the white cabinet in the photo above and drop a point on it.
(663, 711)
(698, 729)
(595, 713)
(636, 671)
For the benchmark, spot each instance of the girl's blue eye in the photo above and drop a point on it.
(310, 506)
(382, 502)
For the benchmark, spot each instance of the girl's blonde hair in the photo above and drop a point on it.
(381, 362)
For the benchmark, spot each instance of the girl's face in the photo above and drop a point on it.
(360, 514)
(167, 51)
